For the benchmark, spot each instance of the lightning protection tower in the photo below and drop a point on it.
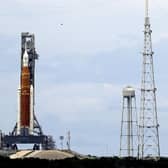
(69, 140)
(148, 121)
(129, 133)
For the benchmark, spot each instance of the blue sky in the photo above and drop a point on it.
(89, 51)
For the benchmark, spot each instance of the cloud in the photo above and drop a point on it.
(89, 51)
(81, 32)
(79, 107)
(79, 100)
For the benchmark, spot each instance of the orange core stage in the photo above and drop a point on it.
(25, 97)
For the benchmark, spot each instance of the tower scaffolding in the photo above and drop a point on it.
(129, 131)
(148, 146)
(27, 129)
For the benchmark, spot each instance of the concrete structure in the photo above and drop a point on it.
(46, 154)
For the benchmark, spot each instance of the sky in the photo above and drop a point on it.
(89, 51)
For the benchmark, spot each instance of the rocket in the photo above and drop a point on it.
(25, 99)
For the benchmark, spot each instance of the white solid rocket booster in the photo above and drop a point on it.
(18, 111)
(31, 110)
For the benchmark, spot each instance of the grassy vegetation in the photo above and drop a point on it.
(114, 162)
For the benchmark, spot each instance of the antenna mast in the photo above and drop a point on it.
(148, 121)
(146, 8)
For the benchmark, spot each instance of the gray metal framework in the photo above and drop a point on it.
(28, 40)
(47, 142)
(148, 146)
(11, 141)
(129, 125)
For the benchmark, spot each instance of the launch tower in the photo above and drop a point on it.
(27, 129)
(148, 120)
(27, 48)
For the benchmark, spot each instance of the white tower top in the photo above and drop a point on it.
(25, 58)
(146, 8)
(128, 92)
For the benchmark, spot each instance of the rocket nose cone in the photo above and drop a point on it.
(25, 58)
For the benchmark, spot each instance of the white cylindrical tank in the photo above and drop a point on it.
(128, 92)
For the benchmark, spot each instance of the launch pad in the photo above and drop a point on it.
(27, 129)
